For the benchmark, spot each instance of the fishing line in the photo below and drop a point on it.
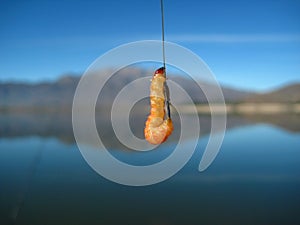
(163, 32)
(167, 92)
(27, 183)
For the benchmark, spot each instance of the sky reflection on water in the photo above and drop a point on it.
(253, 180)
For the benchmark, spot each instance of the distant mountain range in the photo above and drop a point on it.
(60, 93)
(44, 108)
(286, 94)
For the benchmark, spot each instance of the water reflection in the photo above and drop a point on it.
(256, 176)
(59, 125)
(45, 180)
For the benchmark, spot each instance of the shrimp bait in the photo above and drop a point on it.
(157, 128)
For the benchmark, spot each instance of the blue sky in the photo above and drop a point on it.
(247, 44)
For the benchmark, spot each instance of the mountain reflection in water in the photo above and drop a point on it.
(45, 180)
(59, 124)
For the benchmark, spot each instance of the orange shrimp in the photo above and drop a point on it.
(158, 129)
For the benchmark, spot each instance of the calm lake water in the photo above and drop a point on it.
(255, 179)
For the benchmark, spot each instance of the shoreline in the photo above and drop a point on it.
(216, 108)
(243, 108)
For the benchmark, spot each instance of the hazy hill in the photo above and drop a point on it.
(287, 94)
(60, 93)
(230, 94)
